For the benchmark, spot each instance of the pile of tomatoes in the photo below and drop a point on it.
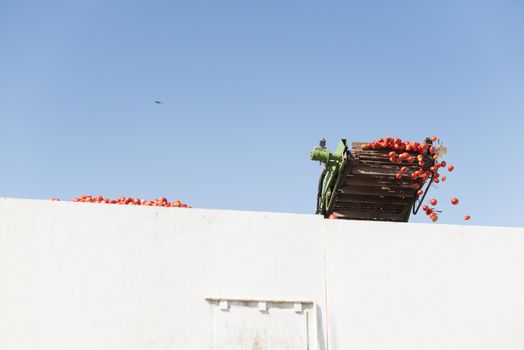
(423, 154)
(160, 202)
(397, 145)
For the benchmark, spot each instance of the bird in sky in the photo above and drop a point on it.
(158, 102)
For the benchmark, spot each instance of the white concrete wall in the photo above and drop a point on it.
(91, 276)
(415, 286)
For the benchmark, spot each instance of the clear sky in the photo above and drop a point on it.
(249, 87)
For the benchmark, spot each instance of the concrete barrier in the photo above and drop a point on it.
(418, 286)
(93, 276)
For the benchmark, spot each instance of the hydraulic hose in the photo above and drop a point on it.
(319, 191)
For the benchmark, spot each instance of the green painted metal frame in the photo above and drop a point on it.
(335, 164)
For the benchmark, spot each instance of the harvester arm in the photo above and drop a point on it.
(331, 176)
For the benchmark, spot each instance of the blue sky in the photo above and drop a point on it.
(249, 88)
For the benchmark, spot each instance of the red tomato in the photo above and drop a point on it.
(420, 192)
(443, 178)
(433, 138)
(451, 168)
(454, 201)
(433, 201)
(467, 217)
(333, 216)
(403, 169)
(162, 201)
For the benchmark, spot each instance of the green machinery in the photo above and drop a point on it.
(360, 184)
